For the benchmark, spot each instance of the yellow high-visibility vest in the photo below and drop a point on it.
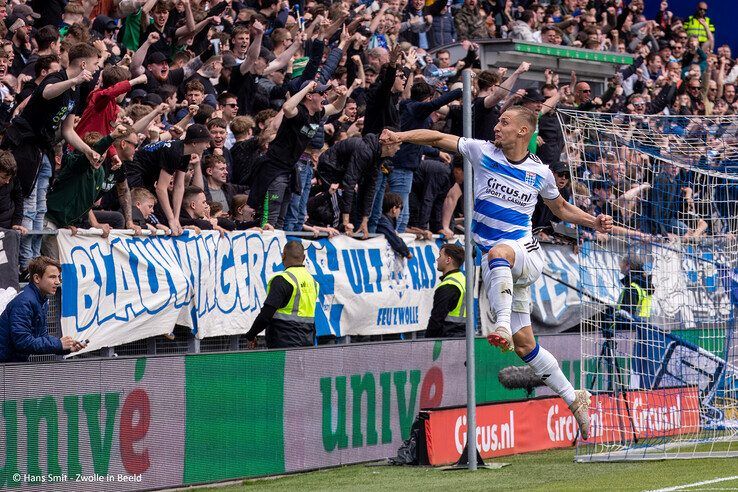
(644, 301)
(458, 280)
(301, 307)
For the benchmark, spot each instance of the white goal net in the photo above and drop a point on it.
(659, 350)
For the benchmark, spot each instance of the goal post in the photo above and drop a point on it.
(658, 296)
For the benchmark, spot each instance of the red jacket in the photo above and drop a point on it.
(101, 109)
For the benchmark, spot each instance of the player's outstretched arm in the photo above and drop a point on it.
(573, 214)
(433, 138)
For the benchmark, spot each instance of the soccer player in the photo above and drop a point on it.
(507, 182)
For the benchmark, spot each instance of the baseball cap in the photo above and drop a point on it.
(153, 100)
(105, 22)
(156, 57)
(197, 133)
(137, 94)
(319, 89)
(23, 11)
(559, 167)
(532, 95)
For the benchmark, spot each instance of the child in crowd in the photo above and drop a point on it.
(143, 210)
(241, 216)
(391, 208)
(216, 210)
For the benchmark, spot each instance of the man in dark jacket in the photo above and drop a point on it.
(447, 319)
(543, 218)
(23, 329)
(276, 175)
(549, 129)
(665, 204)
(11, 195)
(414, 114)
(351, 162)
(288, 314)
(383, 97)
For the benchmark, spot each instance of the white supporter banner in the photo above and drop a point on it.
(123, 288)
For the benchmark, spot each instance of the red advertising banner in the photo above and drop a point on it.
(547, 423)
(649, 413)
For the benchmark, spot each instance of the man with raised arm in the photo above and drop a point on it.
(507, 182)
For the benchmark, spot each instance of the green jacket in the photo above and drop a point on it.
(469, 24)
(77, 187)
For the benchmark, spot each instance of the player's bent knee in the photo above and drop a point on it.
(503, 252)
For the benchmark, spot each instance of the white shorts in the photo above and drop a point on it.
(529, 261)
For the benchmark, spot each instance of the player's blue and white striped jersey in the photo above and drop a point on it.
(505, 193)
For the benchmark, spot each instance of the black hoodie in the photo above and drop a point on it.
(350, 162)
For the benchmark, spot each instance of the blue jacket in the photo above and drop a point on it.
(387, 227)
(23, 329)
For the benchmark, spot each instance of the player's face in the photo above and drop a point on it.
(507, 130)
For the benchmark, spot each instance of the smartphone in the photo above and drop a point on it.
(216, 45)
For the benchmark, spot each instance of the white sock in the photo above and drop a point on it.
(499, 283)
(545, 366)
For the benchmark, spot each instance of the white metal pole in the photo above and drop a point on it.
(471, 407)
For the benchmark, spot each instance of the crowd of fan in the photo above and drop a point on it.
(195, 114)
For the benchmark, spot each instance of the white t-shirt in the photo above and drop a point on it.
(505, 193)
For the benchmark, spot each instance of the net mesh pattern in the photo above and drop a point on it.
(658, 295)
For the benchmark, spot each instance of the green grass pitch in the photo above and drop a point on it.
(544, 471)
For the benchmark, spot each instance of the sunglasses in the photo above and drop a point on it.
(586, 90)
(231, 105)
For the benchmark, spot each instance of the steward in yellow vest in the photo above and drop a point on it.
(448, 316)
(699, 24)
(635, 298)
(288, 314)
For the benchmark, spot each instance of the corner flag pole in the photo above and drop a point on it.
(471, 408)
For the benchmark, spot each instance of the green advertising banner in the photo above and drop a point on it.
(132, 424)
(235, 423)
